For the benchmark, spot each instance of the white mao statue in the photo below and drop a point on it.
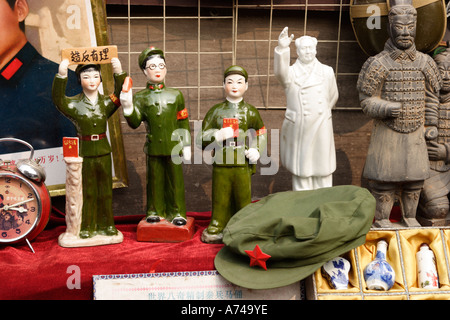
(307, 142)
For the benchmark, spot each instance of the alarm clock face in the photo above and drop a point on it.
(20, 207)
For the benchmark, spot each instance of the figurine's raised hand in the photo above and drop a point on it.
(116, 65)
(284, 40)
(63, 68)
(126, 101)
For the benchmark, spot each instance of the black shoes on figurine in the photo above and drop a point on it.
(153, 219)
(178, 221)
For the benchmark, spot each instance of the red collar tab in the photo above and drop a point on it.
(257, 257)
(11, 69)
(156, 86)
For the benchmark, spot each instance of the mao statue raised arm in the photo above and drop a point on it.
(235, 132)
(395, 88)
(307, 143)
(89, 111)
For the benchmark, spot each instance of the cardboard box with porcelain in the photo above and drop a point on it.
(403, 244)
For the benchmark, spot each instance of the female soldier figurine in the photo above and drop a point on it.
(89, 111)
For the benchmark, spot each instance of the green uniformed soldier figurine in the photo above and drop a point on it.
(163, 111)
(89, 111)
(235, 132)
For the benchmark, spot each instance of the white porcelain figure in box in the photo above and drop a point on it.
(426, 268)
(336, 272)
(379, 274)
(307, 147)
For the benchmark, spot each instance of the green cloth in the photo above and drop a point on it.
(165, 188)
(300, 230)
(231, 191)
(97, 214)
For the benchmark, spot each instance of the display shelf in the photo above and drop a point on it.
(401, 254)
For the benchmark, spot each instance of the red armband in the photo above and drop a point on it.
(114, 99)
(183, 114)
(261, 131)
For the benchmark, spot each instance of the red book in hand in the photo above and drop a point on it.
(127, 84)
(233, 123)
(70, 147)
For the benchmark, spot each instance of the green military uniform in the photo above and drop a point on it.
(91, 121)
(231, 189)
(166, 119)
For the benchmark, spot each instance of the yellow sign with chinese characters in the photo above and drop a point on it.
(88, 55)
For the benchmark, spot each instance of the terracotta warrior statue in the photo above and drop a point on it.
(395, 88)
(434, 203)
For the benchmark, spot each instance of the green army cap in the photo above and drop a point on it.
(147, 53)
(300, 230)
(235, 70)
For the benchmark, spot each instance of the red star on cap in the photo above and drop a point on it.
(257, 257)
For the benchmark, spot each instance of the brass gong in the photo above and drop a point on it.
(371, 37)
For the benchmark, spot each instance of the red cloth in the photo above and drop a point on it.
(44, 274)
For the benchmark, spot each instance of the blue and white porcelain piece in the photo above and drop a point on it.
(379, 274)
(336, 272)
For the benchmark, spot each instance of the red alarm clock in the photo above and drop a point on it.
(25, 202)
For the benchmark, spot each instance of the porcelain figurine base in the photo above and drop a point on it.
(68, 240)
(74, 204)
(164, 231)
(211, 238)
